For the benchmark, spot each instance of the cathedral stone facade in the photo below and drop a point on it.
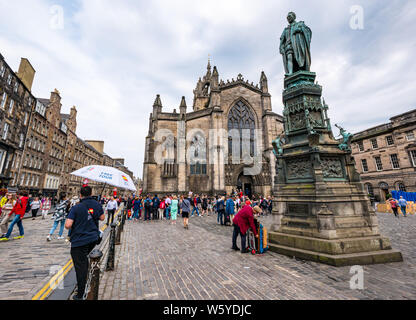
(223, 144)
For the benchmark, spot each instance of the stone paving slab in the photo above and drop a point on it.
(160, 261)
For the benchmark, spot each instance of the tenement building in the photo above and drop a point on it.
(16, 104)
(223, 144)
(39, 147)
(386, 156)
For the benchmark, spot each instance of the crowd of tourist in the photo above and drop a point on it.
(152, 208)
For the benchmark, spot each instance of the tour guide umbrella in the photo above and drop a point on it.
(107, 175)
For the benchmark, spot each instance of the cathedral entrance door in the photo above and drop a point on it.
(245, 184)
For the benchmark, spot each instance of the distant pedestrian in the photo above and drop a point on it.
(59, 217)
(403, 204)
(35, 206)
(155, 207)
(111, 209)
(136, 208)
(162, 207)
(194, 204)
(221, 210)
(19, 210)
(229, 210)
(204, 205)
(83, 221)
(7, 206)
(174, 209)
(186, 209)
(394, 206)
(45, 207)
(269, 205)
(147, 208)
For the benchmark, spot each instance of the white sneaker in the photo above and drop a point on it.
(61, 238)
(49, 238)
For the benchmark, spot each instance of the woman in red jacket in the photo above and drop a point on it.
(243, 221)
(19, 211)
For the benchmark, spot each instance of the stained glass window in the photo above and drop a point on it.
(242, 118)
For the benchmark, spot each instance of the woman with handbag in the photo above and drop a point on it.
(5, 210)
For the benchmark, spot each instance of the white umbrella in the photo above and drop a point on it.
(107, 175)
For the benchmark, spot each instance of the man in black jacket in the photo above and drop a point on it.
(83, 221)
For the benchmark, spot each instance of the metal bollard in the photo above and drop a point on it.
(123, 220)
(118, 234)
(111, 249)
(95, 257)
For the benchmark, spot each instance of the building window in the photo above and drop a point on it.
(410, 136)
(413, 155)
(5, 131)
(390, 140)
(2, 71)
(401, 187)
(394, 161)
(379, 164)
(21, 141)
(3, 100)
(26, 119)
(374, 143)
(3, 155)
(361, 146)
(241, 119)
(9, 79)
(22, 179)
(365, 165)
(198, 169)
(11, 107)
(370, 190)
(16, 86)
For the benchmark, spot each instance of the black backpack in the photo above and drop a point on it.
(29, 201)
(221, 205)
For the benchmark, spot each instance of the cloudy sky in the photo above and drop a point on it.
(111, 58)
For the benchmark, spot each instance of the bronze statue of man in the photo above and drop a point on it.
(295, 45)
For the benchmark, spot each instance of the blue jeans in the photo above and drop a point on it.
(220, 218)
(403, 210)
(146, 214)
(195, 209)
(55, 225)
(136, 213)
(17, 220)
(167, 213)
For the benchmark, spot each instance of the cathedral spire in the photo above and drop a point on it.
(158, 102)
(157, 106)
(263, 83)
(183, 106)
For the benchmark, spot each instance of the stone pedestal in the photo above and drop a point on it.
(322, 212)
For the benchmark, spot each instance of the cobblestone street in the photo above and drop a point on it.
(160, 261)
(27, 264)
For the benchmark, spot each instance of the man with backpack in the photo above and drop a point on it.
(221, 210)
(83, 221)
(264, 206)
(147, 208)
(155, 208)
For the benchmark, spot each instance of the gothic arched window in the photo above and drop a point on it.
(241, 118)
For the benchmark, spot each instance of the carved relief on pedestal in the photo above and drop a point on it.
(332, 167)
(297, 121)
(299, 168)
